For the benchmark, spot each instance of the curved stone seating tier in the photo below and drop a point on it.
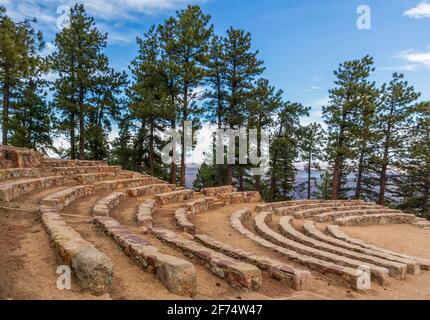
(123, 183)
(177, 275)
(167, 198)
(214, 192)
(396, 269)
(54, 163)
(92, 268)
(333, 215)
(181, 217)
(269, 207)
(379, 273)
(350, 276)
(61, 199)
(335, 232)
(239, 197)
(304, 211)
(287, 274)
(200, 205)
(15, 173)
(370, 219)
(423, 224)
(89, 178)
(313, 232)
(11, 190)
(150, 190)
(238, 274)
(68, 171)
(104, 206)
(144, 213)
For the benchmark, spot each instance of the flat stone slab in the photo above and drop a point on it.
(150, 190)
(269, 207)
(63, 198)
(104, 206)
(214, 192)
(165, 199)
(14, 173)
(333, 215)
(376, 219)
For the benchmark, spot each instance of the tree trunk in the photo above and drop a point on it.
(309, 174)
(151, 148)
(219, 170)
(81, 125)
(5, 113)
(426, 196)
(383, 177)
(173, 164)
(184, 154)
(72, 137)
(359, 177)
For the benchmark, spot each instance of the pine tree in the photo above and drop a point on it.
(189, 44)
(216, 93)
(19, 43)
(241, 68)
(261, 109)
(311, 142)
(284, 150)
(80, 64)
(394, 112)
(346, 102)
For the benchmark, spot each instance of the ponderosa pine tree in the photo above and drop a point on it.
(346, 102)
(188, 46)
(414, 163)
(284, 150)
(80, 65)
(264, 104)
(393, 114)
(19, 43)
(216, 93)
(241, 68)
(311, 141)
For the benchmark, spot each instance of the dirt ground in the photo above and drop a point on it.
(28, 264)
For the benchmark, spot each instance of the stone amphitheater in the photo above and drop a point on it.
(127, 235)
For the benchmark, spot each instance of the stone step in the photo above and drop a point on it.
(396, 269)
(307, 213)
(104, 206)
(285, 273)
(375, 219)
(145, 212)
(311, 231)
(177, 275)
(124, 183)
(13, 189)
(422, 224)
(55, 163)
(238, 274)
(182, 222)
(89, 178)
(61, 199)
(332, 216)
(15, 173)
(304, 204)
(337, 233)
(240, 197)
(378, 273)
(150, 190)
(214, 192)
(168, 198)
(350, 276)
(69, 171)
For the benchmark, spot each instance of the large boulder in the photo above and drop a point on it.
(93, 270)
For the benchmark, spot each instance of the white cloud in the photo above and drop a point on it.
(419, 12)
(312, 88)
(417, 58)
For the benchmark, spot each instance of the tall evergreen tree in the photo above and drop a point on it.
(311, 141)
(19, 43)
(241, 68)
(80, 65)
(284, 150)
(346, 102)
(393, 114)
(189, 47)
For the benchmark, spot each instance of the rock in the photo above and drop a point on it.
(93, 271)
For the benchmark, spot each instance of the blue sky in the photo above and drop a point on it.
(301, 41)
